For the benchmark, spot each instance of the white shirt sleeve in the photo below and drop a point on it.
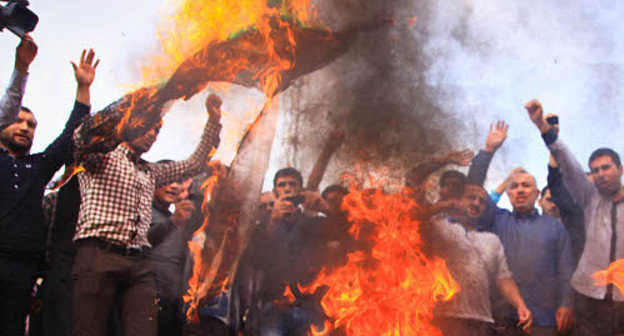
(11, 101)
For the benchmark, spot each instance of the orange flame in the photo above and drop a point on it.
(196, 289)
(393, 289)
(196, 24)
(614, 274)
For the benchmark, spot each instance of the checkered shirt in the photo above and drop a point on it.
(117, 189)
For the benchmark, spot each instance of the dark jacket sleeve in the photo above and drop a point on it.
(571, 213)
(479, 167)
(60, 151)
(560, 194)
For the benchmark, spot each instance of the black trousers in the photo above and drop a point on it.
(17, 278)
(598, 317)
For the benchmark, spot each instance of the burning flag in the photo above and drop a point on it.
(269, 55)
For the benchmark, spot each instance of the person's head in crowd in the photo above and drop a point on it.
(590, 177)
(333, 195)
(472, 203)
(287, 181)
(522, 192)
(173, 192)
(606, 171)
(549, 208)
(267, 199)
(451, 184)
(17, 138)
(143, 143)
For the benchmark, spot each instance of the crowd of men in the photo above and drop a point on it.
(104, 255)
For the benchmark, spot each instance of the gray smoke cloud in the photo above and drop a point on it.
(406, 91)
(377, 93)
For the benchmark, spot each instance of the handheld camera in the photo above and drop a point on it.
(15, 17)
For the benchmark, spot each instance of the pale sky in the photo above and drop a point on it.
(494, 55)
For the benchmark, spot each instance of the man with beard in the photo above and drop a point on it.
(22, 183)
(600, 308)
(538, 248)
(476, 261)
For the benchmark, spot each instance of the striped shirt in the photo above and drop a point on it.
(117, 189)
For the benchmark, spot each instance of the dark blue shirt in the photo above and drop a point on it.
(22, 182)
(538, 251)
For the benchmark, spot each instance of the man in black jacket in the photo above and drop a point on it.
(22, 182)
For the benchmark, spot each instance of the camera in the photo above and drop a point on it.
(296, 200)
(15, 17)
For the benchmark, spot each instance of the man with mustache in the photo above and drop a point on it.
(22, 183)
(538, 248)
(600, 308)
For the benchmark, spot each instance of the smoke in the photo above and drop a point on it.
(408, 90)
(377, 93)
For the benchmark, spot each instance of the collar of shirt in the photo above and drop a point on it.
(534, 214)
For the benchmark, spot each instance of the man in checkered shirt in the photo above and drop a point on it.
(116, 191)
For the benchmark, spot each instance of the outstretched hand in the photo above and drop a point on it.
(85, 71)
(213, 106)
(25, 53)
(536, 113)
(496, 137)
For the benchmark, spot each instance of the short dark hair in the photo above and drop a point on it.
(290, 172)
(334, 188)
(26, 109)
(546, 188)
(605, 152)
(469, 184)
(452, 174)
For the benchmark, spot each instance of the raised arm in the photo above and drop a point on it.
(316, 175)
(166, 173)
(572, 171)
(11, 101)
(419, 174)
(480, 164)
(60, 151)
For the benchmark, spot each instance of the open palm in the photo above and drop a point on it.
(85, 71)
(496, 137)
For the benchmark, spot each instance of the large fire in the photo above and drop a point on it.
(614, 274)
(392, 289)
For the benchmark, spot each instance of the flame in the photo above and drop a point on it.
(197, 289)
(197, 24)
(614, 274)
(392, 289)
(288, 295)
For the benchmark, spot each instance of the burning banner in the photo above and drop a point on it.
(269, 56)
